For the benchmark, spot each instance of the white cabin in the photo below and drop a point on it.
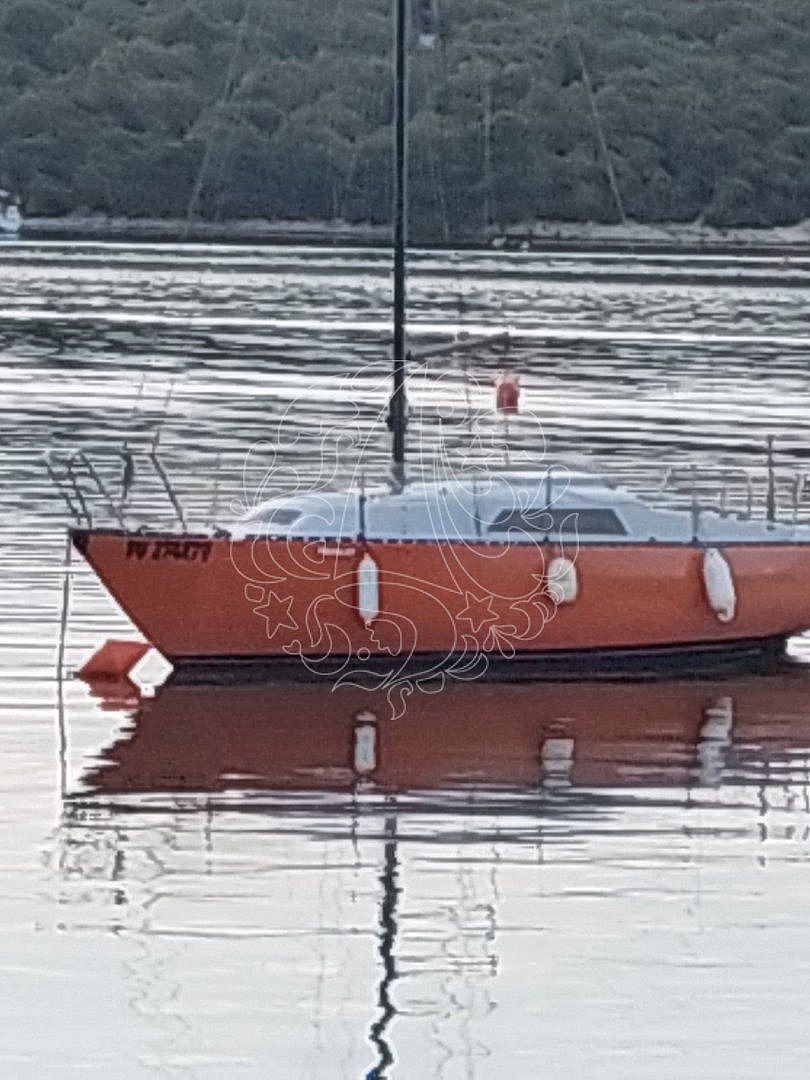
(502, 508)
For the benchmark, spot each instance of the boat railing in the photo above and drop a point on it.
(140, 488)
(112, 488)
(745, 492)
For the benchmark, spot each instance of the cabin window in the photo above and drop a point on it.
(281, 515)
(588, 520)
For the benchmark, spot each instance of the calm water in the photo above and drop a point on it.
(550, 880)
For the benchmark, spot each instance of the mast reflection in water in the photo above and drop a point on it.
(499, 775)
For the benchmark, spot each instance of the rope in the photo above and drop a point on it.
(227, 91)
(597, 123)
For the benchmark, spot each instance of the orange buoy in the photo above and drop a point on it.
(113, 660)
(507, 392)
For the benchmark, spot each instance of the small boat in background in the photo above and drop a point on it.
(10, 214)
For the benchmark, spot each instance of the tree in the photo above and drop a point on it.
(285, 108)
(27, 28)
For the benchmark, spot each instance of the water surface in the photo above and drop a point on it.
(527, 880)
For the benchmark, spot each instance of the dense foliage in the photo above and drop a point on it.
(282, 109)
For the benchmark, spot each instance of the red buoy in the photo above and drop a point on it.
(507, 392)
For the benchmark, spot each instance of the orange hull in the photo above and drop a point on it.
(200, 598)
(294, 736)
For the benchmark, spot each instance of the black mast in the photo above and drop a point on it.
(397, 417)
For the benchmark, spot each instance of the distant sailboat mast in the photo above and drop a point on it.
(398, 409)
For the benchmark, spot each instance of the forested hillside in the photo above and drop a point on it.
(281, 109)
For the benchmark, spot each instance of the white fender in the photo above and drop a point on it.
(718, 720)
(557, 759)
(368, 589)
(365, 743)
(562, 584)
(719, 585)
(557, 754)
(714, 740)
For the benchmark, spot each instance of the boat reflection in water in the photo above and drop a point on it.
(477, 738)
(400, 891)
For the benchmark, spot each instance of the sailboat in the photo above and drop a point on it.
(550, 568)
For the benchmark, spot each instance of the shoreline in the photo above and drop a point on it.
(526, 237)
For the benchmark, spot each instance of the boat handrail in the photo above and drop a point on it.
(63, 472)
(88, 485)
